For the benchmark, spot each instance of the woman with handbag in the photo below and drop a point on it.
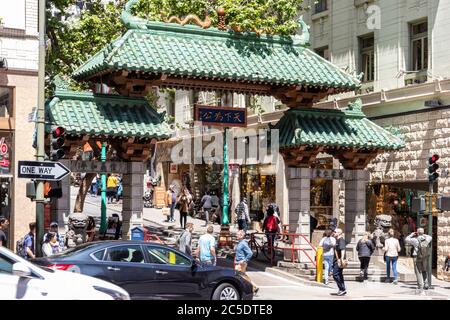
(365, 249)
(339, 262)
(183, 202)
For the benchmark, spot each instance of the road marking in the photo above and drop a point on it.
(296, 284)
(275, 287)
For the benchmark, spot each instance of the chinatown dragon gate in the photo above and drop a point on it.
(197, 57)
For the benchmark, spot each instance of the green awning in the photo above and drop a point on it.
(105, 115)
(334, 128)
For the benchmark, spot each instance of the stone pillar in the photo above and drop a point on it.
(281, 190)
(133, 205)
(299, 184)
(355, 209)
(60, 207)
(336, 191)
(443, 244)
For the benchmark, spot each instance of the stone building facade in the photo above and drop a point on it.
(401, 47)
(18, 97)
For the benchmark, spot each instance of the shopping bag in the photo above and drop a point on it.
(166, 211)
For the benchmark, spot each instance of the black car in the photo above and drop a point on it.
(151, 271)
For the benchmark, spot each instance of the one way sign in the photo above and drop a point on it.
(38, 170)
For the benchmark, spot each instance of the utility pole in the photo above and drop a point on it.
(430, 231)
(432, 177)
(40, 123)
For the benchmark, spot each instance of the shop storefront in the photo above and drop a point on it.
(258, 186)
(6, 176)
(394, 200)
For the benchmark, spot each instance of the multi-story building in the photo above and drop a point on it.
(400, 48)
(18, 97)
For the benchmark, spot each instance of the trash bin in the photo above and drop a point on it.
(137, 233)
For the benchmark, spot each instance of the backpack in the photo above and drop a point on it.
(271, 224)
(20, 247)
(423, 250)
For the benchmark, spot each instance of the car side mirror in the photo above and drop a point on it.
(21, 270)
(194, 264)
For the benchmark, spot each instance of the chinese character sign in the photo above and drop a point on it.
(221, 116)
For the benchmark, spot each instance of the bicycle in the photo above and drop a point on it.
(262, 245)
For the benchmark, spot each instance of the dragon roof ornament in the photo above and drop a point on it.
(304, 38)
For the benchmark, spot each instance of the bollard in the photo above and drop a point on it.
(319, 264)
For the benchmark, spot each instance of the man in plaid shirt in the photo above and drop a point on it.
(242, 214)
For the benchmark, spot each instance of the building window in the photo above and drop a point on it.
(5, 102)
(419, 46)
(367, 53)
(320, 6)
(323, 52)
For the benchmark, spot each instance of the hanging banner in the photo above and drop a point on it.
(221, 116)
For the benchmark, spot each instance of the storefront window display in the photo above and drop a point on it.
(258, 186)
(395, 201)
(322, 202)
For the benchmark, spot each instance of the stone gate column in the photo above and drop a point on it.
(132, 207)
(355, 209)
(299, 185)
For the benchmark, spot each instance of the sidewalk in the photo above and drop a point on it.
(156, 217)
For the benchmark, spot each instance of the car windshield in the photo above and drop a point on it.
(75, 250)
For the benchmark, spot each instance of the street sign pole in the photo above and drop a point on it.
(40, 123)
(430, 231)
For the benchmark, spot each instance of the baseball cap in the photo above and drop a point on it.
(54, 224)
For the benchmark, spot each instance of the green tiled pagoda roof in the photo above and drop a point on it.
(190, 51)
(334, 128)
(105, 115)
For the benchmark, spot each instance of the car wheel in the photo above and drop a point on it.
(226, 291)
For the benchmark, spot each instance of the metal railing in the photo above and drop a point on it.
(285, 242)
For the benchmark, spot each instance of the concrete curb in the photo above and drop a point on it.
(288, 276)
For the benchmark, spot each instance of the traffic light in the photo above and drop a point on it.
(57, 142)
(432, 168)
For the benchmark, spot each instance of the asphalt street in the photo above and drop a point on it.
(275, 287)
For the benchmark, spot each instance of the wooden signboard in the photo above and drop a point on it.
(221, 116)
(160, 195)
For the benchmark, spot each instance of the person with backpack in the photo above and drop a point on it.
(391, 249)
(185, 240)
(421, 244)
(365, 248)
(270, 226)
(26, 246)
(327, 243)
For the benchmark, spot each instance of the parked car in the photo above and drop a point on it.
(151, 271)
(20, 279)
